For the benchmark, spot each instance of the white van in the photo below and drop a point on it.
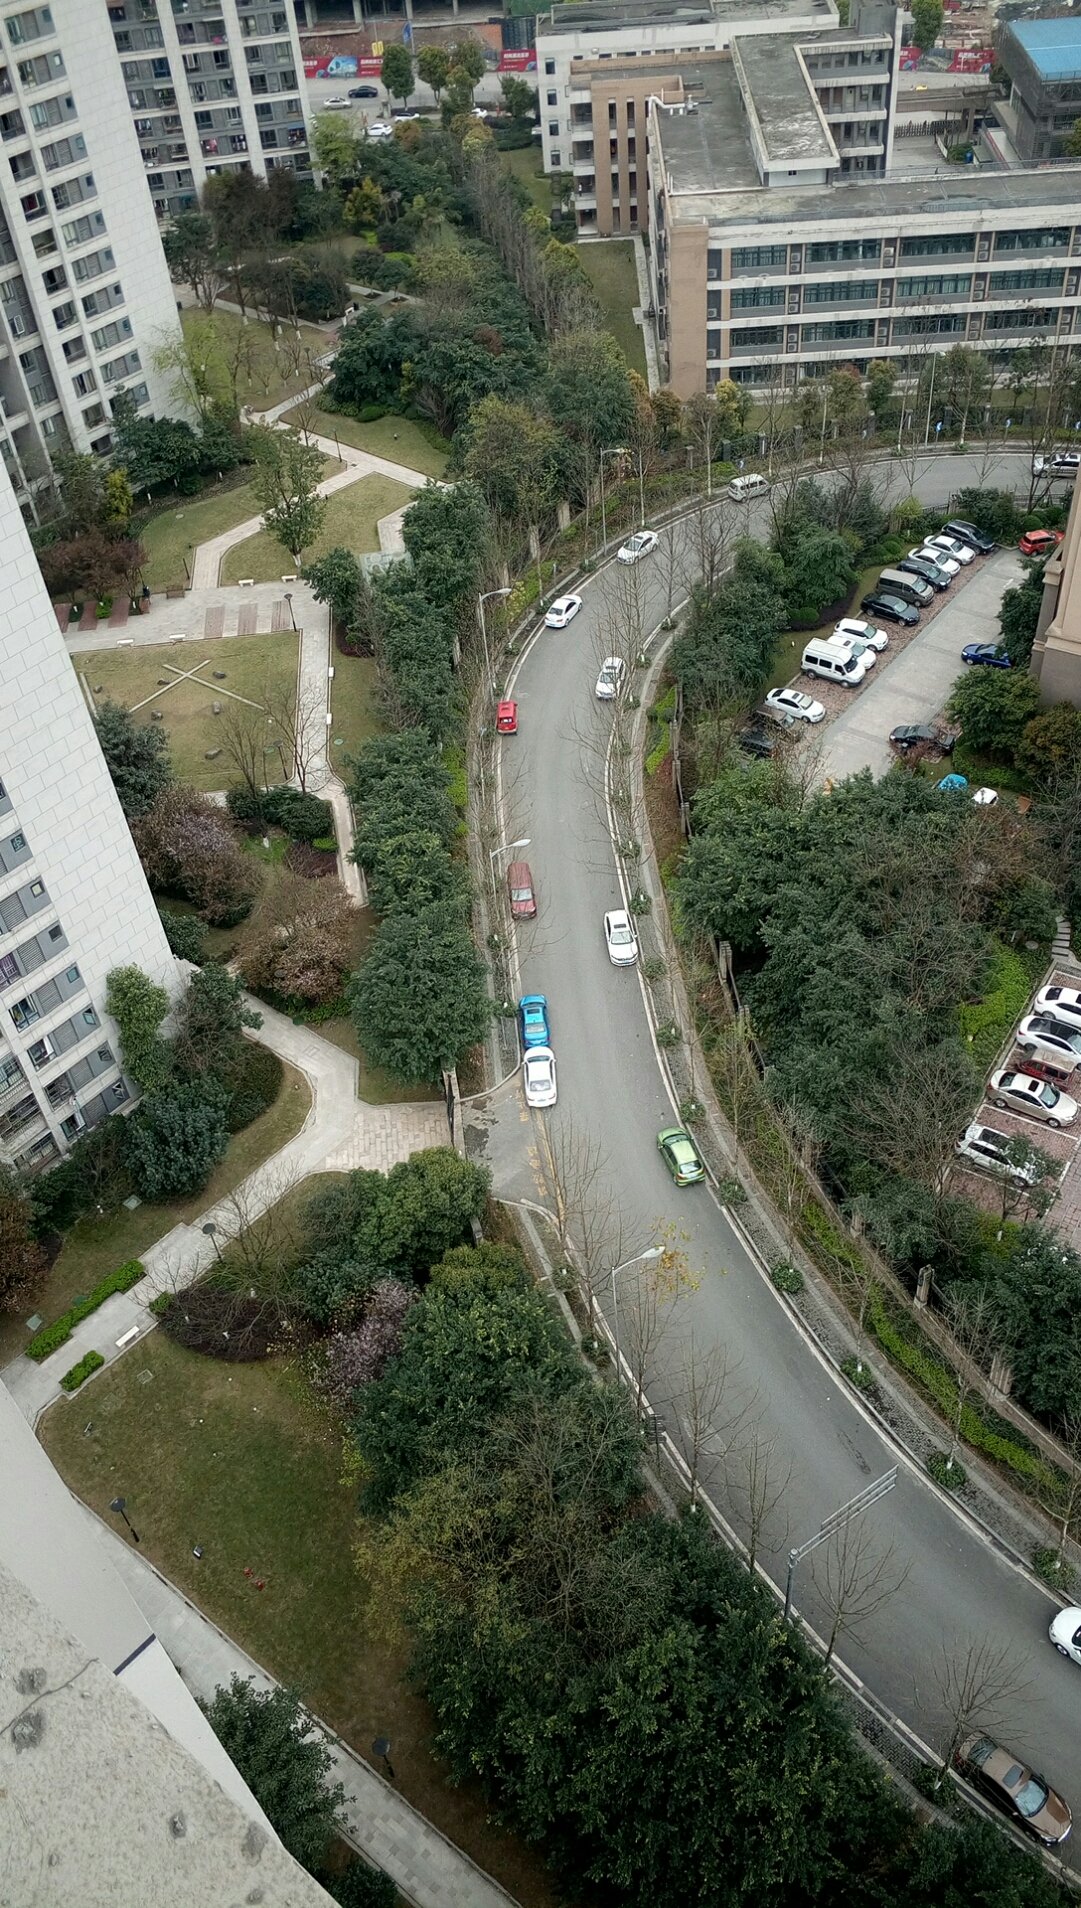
(741, 489)
(837, 661)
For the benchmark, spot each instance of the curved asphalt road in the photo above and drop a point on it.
(957, 1590)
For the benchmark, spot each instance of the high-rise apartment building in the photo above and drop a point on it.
(212, 85)
(85, 295)
(74, 902)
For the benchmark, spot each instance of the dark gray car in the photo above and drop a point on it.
(930, 572)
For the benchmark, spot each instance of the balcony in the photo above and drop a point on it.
(22, 1120)
(12, 1094)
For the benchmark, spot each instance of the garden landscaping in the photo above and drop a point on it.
(351, 519)
(401, 440)
(268, 370)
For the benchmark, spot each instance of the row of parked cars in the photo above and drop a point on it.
(1049, 1040)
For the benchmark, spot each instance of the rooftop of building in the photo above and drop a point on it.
(1053, 47)
(628, 16)
(780, 102)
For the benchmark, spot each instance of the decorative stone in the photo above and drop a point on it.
(211, 755)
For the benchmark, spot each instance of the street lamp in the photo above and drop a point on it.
(833, 1523)
(118, 1505)
(292, 618)
(481, 600)
(381, 1748)
(651, 1252)
(614, 450)
(210, 1231)
(508, 847)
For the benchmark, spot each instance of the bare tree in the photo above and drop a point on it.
(296, 721)
(242, 729)
(797, 1156)
(707, 1419)
(594, 1230)
(759, 1476)
(1059, 1490)
(977, 1681)
(854, 1579)
(973, 1329)
(658, 1287)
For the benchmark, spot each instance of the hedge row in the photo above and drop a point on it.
(51, 1337)
(79, 1373)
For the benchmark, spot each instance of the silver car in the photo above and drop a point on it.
(620, 939)
(1023, 1093)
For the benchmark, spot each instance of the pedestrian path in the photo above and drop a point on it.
(426, 1869)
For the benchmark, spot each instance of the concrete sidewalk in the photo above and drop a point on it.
(915, 686)
(427, 1869)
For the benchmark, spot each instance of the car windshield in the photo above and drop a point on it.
(620, 935)
(521, 894)
(1033, 1797)
(1047, 1096)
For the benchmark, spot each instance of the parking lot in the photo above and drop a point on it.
(1062, 1144)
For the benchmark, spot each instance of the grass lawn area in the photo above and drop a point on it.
(793, 642)
(268, 369)
(171, 536)
(611, 267)
(351, 518)
(251, 665)
(95, 1246)
(401, 440)
(354, 704)
(525, 163)
(241, 1460)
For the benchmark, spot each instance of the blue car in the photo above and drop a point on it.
(951, 785)
(533, 1020)
(993, 654)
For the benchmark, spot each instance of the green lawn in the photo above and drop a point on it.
(251, 665)
(525, 163)
(351, 518)
(354, 704)
(793, 642)
(171, 537)
(610, 265)
(95, 1246)
(240, 1460)
(268, 369)
(401, 440)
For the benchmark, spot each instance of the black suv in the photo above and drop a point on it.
(968, 533)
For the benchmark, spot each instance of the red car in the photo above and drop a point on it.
(1040, 543)
(506, 718)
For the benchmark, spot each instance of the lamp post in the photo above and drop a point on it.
(614, 450)
(508, 847)
(210, 1231)
(481, 600)
(292, 618)
(834, 1522)
(381, 1748)
(118, 1505)
(651, 1252)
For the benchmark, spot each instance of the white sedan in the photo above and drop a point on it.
(793, 702)
(380, 129)
(613, 670)
(954, 548)
(539, 1076)
(1061, 1003)
(850, 629)
(562, 612)
(1023, 1093)
(930, 553)
(336, 103)
(1065, 1633)
(640, 545)
(620, 938)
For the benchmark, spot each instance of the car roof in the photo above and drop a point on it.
(533, 1000)
(543, 1054)
(561, 602)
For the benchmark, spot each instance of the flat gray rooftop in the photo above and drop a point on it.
(710, 142)
(623, 16)
(781, 98)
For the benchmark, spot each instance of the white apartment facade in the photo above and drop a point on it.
(85, 295)
(212, 85)
(74, 901)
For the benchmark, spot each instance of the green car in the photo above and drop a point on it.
(680, 1155)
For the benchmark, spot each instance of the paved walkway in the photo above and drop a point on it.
(427, 1869)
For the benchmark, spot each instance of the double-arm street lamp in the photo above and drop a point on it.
(481, 600)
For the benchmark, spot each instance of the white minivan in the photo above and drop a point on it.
(741, 489)
(836, 660)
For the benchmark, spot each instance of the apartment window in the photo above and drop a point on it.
(1024, 320)
(833, 291)
(756, 297)
(556, 161)
(91, 225)
(84, 384)
(838, 251)
(44, 243)
(553, 129)
(844, 328)
(64, 152)
(1026, 281)
(951, 285)
(137, 394)
(94, 414)
(104, 300)
(31, 25)
(52, 112)
(936, 326)
(34, 206)
(757, 335)
(549, 68)
(54, 280)
(111, 334)
(74, 192)
(933, 244)
(41, 69)
(94, 265)
(759, 258)
(74, 349)
(11, 125)
(553, 98)
(1041, 240)
(120, 367)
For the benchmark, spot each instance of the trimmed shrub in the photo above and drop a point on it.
(186, 936)
(255, 1086)
(985, 1023)
(787, 1278)
(951, 1477)
(93, 1361)
(301, 817)
(51, 1337)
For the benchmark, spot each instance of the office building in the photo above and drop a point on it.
(74, 902)
(1043, 61)
(599, 63)
(1056, 653)
(85, 295)
(772, 260)
(212, 85)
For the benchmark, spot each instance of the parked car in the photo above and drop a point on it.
(613, 670)
(1050, 1036)
(640, 545)
(793, 702)
(1039, 543)
(336, 103)
(987, 1148)
(506, 718)
(918, 735)
(985, 797)
(1060, 1003)
(955, 549)
(562, 612)
(539, 1076)
(380, 129)
(620, 938)
(994, 655)
(1057, 464)
(851, 629)
(866, 653)
(523, 896)
(925, 567)
(761, 743)
(1025, 1797)
(1065, 1633)
(835, 660)
(890, 608)
(968, 533)
(533, 1020)
(680, 1155)
(948, 565)
(951, 785)
(1021, 1093)
(364, 92)
(774, 718)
